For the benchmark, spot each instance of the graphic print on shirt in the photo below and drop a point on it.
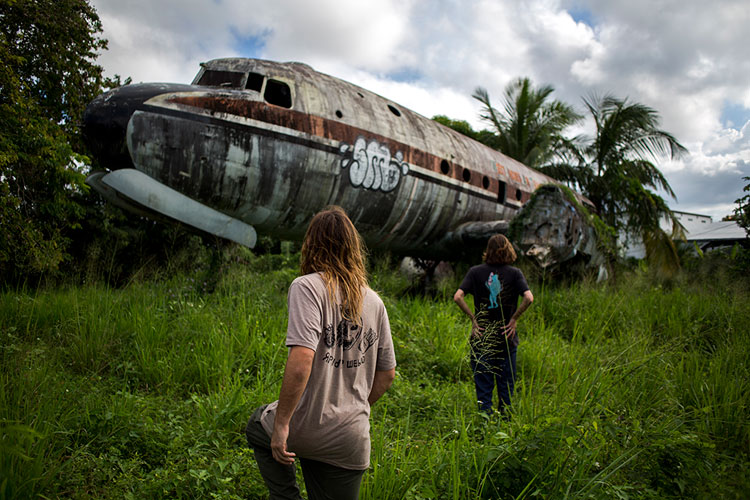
(494, 285)
(328, 336)
(368, 340)
(348, 335)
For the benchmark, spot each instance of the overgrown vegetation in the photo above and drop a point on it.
(742, 211)
(614, 167)
(634, 390)
(48, 74)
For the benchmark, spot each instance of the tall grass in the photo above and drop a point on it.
(633, 390)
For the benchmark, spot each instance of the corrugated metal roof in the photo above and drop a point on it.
(724, 230)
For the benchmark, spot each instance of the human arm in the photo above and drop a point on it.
(510, 328)
(381, 383)
(458, 298)
(296, 374)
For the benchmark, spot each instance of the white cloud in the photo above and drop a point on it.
(729, 141)
(364, 34)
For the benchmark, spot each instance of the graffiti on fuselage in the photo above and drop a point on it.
(371, 165)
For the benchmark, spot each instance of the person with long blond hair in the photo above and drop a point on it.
(340, 362)
(496, 287)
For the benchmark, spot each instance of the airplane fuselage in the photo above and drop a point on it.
(270, 144)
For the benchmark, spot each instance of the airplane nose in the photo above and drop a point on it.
(105, 120)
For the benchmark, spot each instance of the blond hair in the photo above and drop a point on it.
(333, 248)
(499, 251)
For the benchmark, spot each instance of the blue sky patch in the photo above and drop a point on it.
(734, 115)
(581, 15)
(250, 46)
(405, 75)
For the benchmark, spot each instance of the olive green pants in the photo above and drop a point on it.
(323, 481)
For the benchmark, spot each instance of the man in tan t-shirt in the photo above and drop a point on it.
(338, 366)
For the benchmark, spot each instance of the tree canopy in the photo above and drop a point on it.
(48, 74)
(742, 210)
(615, 169)
(463, 127)
(529, 127)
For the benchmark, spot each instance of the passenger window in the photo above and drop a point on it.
(278, 93)
(213, 78)
(254, 82)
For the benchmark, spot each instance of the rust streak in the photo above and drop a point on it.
(321, 127)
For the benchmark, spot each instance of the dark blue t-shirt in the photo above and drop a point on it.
(496, 289)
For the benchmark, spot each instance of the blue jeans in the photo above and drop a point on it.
(493, 365)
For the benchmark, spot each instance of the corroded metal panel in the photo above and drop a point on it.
(281, 141)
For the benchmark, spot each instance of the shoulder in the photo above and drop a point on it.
(373, 305)
(478, 269)
(312, 280)
(372, 297)
(515, 270)
(517, 275)
(311, 284)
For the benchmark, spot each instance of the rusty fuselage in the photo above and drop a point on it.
(270, 144)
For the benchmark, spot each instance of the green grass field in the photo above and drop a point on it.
(625, 391)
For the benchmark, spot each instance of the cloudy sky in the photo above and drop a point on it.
(687, 59)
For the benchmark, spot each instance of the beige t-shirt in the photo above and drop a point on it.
(331, 422)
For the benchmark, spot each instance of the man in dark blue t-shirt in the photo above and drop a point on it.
(496, 287)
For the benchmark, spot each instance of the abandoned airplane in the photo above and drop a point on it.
(259, 145)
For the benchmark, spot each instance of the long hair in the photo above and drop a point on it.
(499, 251)
(334, 248)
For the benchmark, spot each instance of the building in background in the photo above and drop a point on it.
(718, 235)
(691, 222)
(699, 229)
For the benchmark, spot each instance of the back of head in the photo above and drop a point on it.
(334, 248)
(499, 251)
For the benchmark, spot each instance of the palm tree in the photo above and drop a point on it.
(615, 170)
(529, 127)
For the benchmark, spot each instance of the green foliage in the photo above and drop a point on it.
(486, 137)
(606, 238)
(742, 211)
(47, 75)
(529, 127)
(636, 390)
(51, 46)
(615, 171)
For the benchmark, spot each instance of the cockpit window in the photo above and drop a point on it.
(254, 82)
(214, 78)
(278, 93)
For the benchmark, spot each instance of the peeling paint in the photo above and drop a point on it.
(272, 161)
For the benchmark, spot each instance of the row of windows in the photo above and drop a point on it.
(445, 168)
(278, 93)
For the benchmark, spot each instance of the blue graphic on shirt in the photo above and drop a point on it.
(495, 287)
